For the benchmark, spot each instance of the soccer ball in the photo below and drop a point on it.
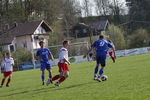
(104, 78)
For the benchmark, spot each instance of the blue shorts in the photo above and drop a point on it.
(101, 59)
(45, 66)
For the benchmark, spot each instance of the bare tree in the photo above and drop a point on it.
(110, 7)
(117, 9)
(86, 8)
(102, 7)
(70, 14)
(1, 6)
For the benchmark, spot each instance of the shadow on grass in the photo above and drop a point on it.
(43, 90)
(24, 92)
(76, 85)
(69, 87)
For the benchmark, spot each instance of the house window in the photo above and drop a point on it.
(41, 30)
(84, 31)
(12, 48)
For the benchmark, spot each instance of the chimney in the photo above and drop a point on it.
(15, 24)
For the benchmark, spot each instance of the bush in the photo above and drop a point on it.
(55, 51)
(77, 50)
(116, 34)
(139, 38)
(72, 60)
(22, 55)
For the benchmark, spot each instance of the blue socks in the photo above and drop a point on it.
(101, 72)
(43, 77)
(50, 76)
(96, 70)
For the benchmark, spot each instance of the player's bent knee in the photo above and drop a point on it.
(65, 74)
(10, 76)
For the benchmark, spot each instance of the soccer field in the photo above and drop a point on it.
(128, 79)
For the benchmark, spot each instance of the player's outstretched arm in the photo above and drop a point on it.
(67, 61)
(37, 57)
(13, 63)
(2, 64)
(51, 56)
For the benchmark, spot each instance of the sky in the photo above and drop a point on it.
(93, 5)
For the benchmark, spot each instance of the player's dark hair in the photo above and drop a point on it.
(101, 36)
(41, 42)
(7, 53)
(65, 42)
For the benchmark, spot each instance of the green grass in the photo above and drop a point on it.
(128, 79)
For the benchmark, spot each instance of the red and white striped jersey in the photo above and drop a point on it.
(63, 55)
(8, 64)
(110, 49)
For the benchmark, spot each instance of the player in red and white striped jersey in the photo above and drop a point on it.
(7, 65)
(112, 51)
(62, 64)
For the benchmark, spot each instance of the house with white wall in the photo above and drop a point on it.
(25, 35)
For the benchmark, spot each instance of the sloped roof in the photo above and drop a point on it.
(99, 25)
(21, 30)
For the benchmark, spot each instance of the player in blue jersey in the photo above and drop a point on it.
(43, 55)
(101, 46)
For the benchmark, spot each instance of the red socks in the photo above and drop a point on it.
(61, 79)
(8, 81)
(113, 58)
(3, 81)
(55, 77)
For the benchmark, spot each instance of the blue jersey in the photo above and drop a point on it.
(44, 55)
(101, 46)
